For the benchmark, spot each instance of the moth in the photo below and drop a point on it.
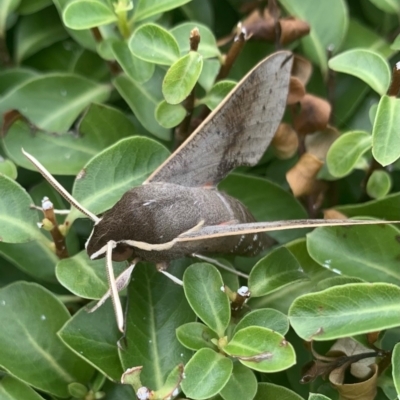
(178, 210)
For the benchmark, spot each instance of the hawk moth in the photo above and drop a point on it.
(178, 211)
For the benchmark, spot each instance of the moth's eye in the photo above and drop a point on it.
(122, 252)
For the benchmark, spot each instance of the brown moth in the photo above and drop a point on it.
(178, 211)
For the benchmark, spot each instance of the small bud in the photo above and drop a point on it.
(47, 224)
(143, 393)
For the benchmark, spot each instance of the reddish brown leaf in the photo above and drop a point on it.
(293, 29)
(296, 91)
(285, 141)
(302, 69)
(9, 118)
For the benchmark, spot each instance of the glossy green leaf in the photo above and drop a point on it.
(94, 337)
(328, 26)
(143, 100)
(8, 168)
(379, 184)
(261, 349)
(85, 277)
(206, 374)
(196, 336)
(30, 6)
(18, 221)
(346, 151)
(137, 69)
(170, 115)
(218, 92)
(278, 269)
(266, 200)
(7, 7)
(241, 385)
(272, 391)
(387, 208)
(14, 76)
(41, 261)
(157, 307)
(208, 45)
(396, 367)
(53, 101)
(181, 78)
(199, 10)
(148, 8)
(385, 133)
(86, 14)
(114, 171)
(336, 281)
(32, 316)
(266, 318)
(368, 252)
(67, 153)
(154, 44)
(388, 6)
(346, 311)
(13, 389)
(317, 396)
(202, 284)
(32, 35)
(366, 65)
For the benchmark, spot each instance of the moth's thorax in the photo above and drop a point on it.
(159, 212)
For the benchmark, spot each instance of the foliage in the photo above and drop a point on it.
(92, 89)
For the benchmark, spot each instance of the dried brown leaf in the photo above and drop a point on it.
(293, 29)
(296, 91)
(333, 214)
(285, 141)
(302, 69)
(319, 143)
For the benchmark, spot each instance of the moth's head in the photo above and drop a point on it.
(102, 234)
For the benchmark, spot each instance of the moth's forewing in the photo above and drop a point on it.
(237, 132)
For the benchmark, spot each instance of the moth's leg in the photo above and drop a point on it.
(161, 267)
(161, 246)
(122, 282)
(221, 265)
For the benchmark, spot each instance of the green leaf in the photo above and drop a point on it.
(41, 261)
(170, 115)
(138, 70)
(31, 335)
(67, 153)
(386, 208)
(196, 336)
(379, 184)
(328, 22)
(154, 44)
(366, 65)
(396, 367)
(32, 35)
(86, 14)
(181, 78)
(13, 389)
(114, 171)
(143, 100)
(368, 252)
(241, 385)
(148, 8)
(272, 391)
(199, 10)
(276, 270)
(346, 151)
(13, 77)
(157, 308)
(346, 311)
(202, 284)
(18, 221)
(31, 6)
(266, 200)
(8, 168)
(206, 374)
(7, 7)
(261, 349)
(385, 133)
(53, 102)
(218, 92)
(208, 47)
(317, 396)
(85, 277)
(388, 6)
(94, 337)
(209, 73)
(266, 318)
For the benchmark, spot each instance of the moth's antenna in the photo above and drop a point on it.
(56, 185)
